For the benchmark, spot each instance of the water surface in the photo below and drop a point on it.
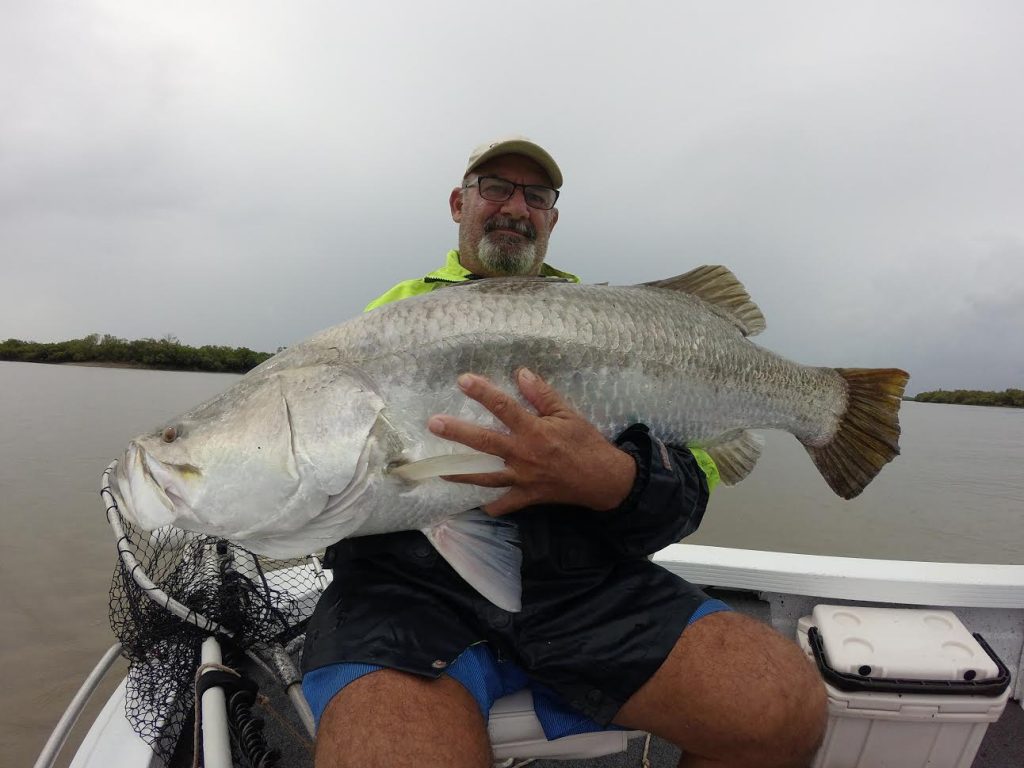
(956, 494)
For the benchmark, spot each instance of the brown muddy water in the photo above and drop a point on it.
(956, 494)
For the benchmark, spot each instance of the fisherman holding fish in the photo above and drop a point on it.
(490, 466)
(404, 658)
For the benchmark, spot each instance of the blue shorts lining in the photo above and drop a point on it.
(486, 678)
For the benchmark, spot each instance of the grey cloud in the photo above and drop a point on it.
(247, 174)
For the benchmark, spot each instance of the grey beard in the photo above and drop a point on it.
(506, 258)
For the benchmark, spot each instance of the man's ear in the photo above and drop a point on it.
(554, 218)
(455, 203)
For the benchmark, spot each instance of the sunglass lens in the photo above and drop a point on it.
(539, 197)
(496, 190)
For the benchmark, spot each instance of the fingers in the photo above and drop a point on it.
(494, 399)
(539, 449)
(512, 501)
(540, 394)
(486, 479)
(469, 434)
(503, 405)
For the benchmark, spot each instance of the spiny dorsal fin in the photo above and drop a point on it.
(719, 287)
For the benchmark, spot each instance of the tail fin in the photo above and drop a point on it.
(869, 430)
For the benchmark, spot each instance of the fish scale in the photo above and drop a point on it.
(713, 379)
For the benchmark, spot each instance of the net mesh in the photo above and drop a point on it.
(259, 601)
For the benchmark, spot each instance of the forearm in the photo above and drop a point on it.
(666, 502)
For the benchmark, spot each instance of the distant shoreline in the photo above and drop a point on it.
(943, 402)
(166, 354)
(136, 366)
(102, 364)
(1008, 398)
(132, 366)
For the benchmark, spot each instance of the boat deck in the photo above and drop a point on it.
(1003, 746)
(776, 588)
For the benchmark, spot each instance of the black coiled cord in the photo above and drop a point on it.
(247, 729)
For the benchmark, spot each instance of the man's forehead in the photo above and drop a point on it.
(518, 168)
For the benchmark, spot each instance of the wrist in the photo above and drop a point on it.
(619, 481)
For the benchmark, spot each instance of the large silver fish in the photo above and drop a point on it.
(328, 439)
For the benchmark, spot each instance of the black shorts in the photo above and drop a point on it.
(593, 632)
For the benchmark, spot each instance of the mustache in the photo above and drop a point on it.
(500, 221)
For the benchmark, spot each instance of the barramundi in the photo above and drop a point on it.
(328, 438)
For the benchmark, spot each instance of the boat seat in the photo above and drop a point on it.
(515, 732)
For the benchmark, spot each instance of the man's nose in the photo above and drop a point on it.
(516, 206)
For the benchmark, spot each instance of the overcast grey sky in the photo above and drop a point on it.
(246, 173)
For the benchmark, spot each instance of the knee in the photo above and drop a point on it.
(800, 725)
(781, 719)
(790, 727)
(392, 719)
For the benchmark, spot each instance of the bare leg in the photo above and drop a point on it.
(733, 692)
(395, 720)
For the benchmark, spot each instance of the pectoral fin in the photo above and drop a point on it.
(483, 550)
(452, 464)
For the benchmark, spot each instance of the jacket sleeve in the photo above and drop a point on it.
(668, 497)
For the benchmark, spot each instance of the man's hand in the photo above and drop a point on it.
(553, 456)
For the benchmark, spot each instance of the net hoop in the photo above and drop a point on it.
(127, 556)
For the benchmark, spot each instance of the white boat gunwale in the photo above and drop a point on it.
(993, 591)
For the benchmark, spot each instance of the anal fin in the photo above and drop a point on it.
(735, 458)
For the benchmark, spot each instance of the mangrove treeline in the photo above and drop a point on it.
(1013, 398)
(166, 353)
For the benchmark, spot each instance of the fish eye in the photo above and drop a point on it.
(169, 435)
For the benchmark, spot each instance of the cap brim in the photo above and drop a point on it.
(522, 147)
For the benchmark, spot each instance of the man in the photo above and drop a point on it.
(404, 659)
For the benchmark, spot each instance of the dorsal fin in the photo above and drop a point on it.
(719, 287)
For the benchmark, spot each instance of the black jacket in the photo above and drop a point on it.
(396, 602)
(666, 503)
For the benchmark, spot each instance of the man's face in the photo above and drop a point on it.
(508, 238)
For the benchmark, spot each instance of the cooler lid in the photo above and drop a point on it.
(919, 648)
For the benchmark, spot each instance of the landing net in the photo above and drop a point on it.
(171, 589)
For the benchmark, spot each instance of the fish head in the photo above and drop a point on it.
(261, 459)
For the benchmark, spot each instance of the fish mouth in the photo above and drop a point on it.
(150, 493)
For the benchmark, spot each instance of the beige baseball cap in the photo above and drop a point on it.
(515, 145)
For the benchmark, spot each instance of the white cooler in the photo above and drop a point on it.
(906, 688)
